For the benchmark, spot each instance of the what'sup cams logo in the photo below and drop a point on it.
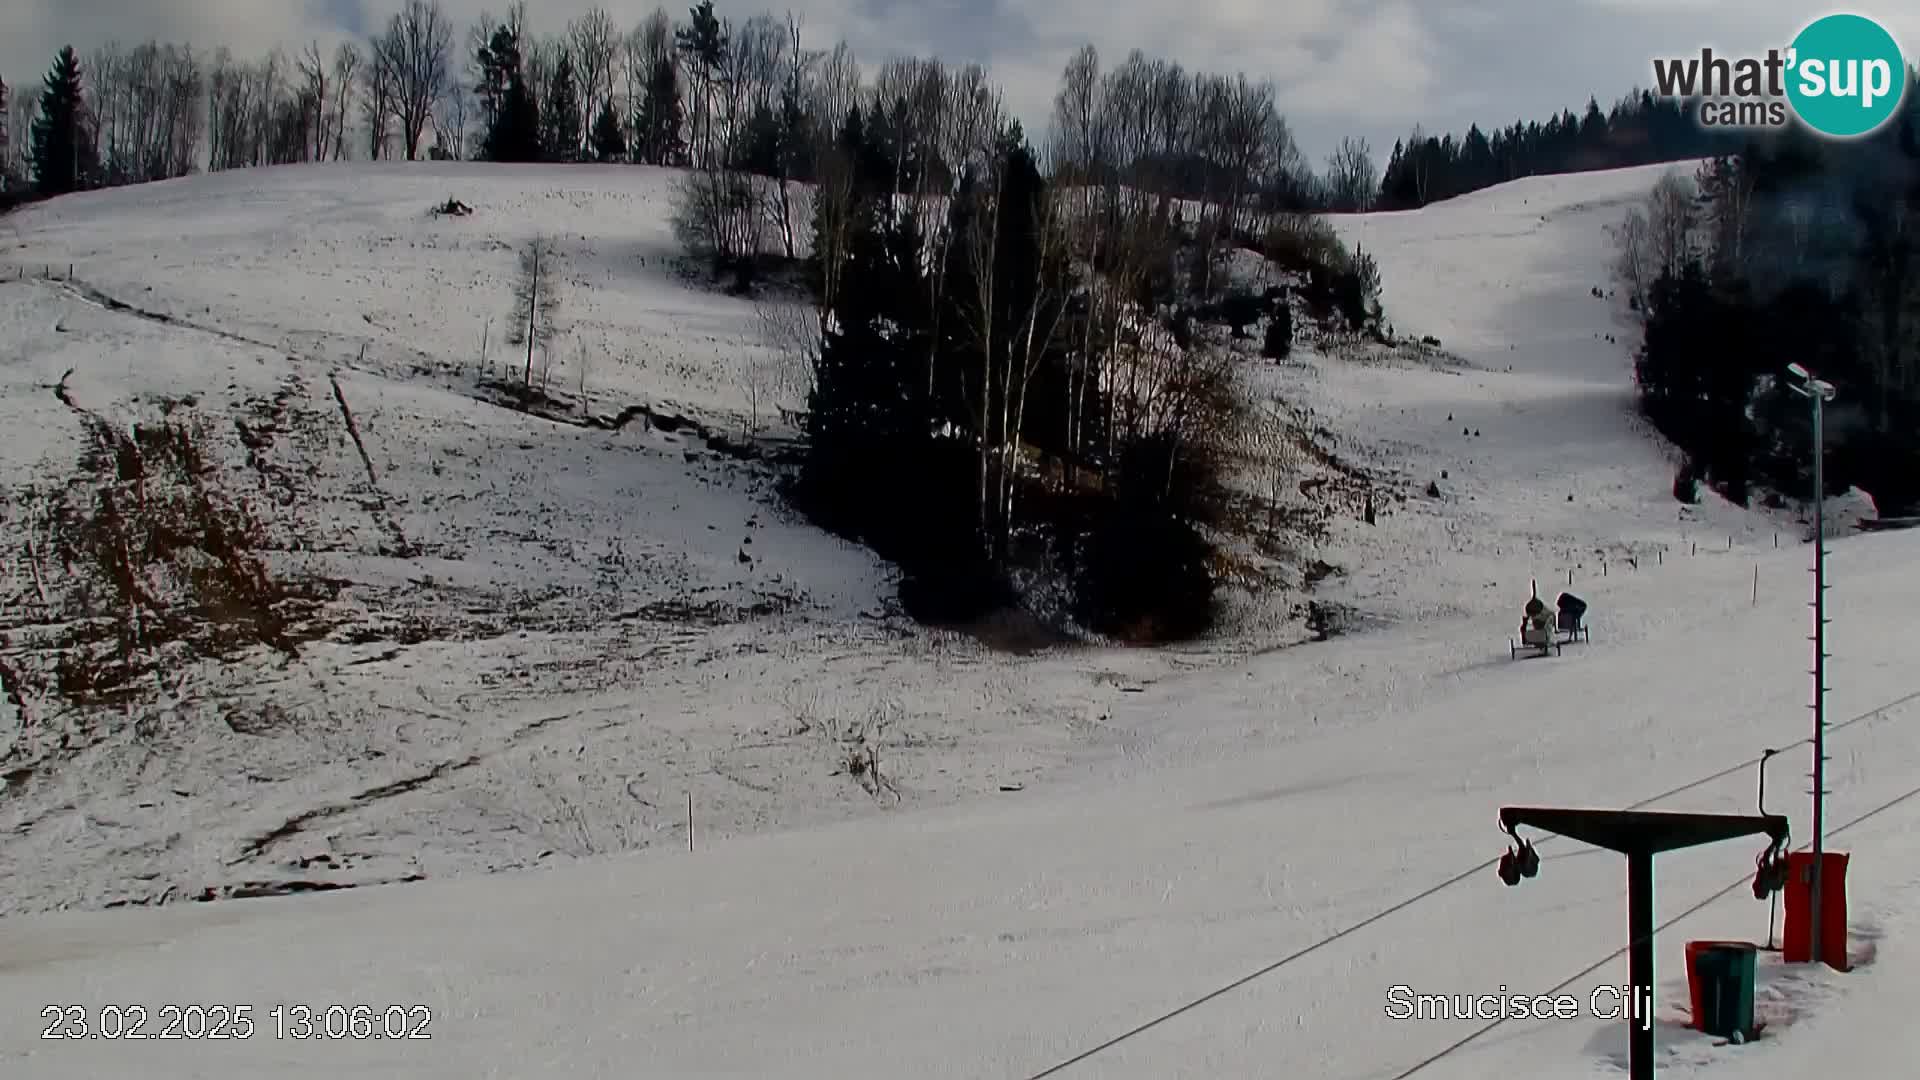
(1843, 77)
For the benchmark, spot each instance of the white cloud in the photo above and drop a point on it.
(1387, 72)
(32, 31)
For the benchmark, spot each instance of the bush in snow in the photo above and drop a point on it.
(1302, 242)
(720, 218)
(1686, 484)
(1145, 576)
(1240, 310)
(1279, 343)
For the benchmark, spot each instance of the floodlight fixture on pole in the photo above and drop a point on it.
(1818, 392)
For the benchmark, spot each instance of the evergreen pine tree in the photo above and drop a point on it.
(867, 416)
(499, 62)
(1476, 160)
(515, 135)
(795, 134)
(64, 158)
(872, 172)
(659, 117)
(759, 152)
(609, 138)
(561, 136)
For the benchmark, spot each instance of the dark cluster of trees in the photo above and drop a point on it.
(1792, 250)
(591, 93)
(1640, 129)
(717, 95)
(981, 407)
(1013, 366)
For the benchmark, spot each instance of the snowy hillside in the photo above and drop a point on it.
(519, 641)
(1523, 421)
(320, 260)
(538, 634)
(1004, 937)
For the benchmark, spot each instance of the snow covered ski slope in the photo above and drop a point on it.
(1322, 815)
(1001, 937)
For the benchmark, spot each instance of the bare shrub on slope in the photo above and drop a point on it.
(136, 566)
(536, 299)
(720, 218)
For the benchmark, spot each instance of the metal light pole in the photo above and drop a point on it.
(1818, 392)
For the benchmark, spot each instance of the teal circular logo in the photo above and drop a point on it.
(1846, 76)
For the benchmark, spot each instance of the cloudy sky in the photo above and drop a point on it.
(1371, 68)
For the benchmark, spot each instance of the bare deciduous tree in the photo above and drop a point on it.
(146, 104)
(1176, 117)
(748, 81)
(1671, 219)
(758, 374)
(833, 204)
(415, 52)
(536, 299)
(1276, 456)
(1656, 238)
(1422, 163)
(452, 130)
(963, 127)
(109, 76)
(346, 69)
(1285, 167)
(269, 88)
(541, 55)
(1078, 149)
(1071, 149)
(377, 98)
(219, 100)
(719, 216)
(1352, 180)
(314, 72)
(1248, 116)
(595, 43)
(834, 89)
(1025, 313)
(929, 111)
(791, 153)
(1633, 255)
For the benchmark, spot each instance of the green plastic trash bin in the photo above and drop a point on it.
(1725, 971)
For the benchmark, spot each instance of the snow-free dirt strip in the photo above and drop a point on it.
(551, 633)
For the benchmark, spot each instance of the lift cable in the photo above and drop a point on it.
(1441, 887)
